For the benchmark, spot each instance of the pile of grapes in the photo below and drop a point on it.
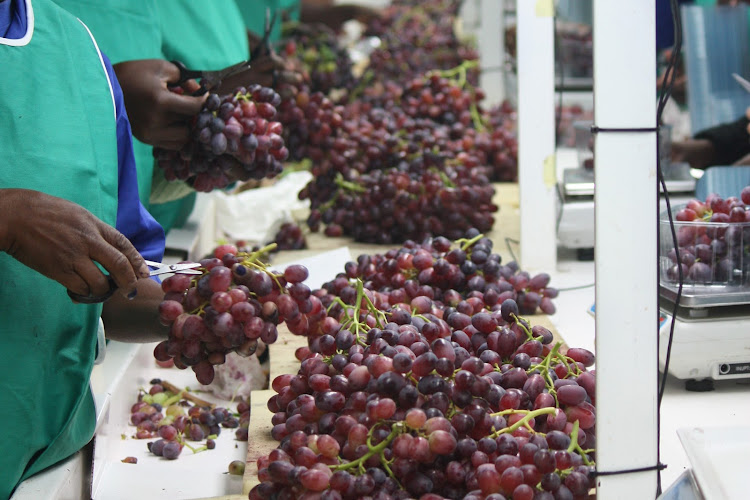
(228, 308)
(383, 176)
(713, 237)
(170, 417)
(437, 395)
(233, 137)
(408, 388)
(409, 153)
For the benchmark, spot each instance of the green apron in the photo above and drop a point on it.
(206, 36)
(59, 137)
(254, 15)
(125, 30)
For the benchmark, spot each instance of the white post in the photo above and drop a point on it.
(492, 50)
(536, 133)
(626, 219)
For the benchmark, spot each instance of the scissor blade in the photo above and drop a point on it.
(183, 268)
(212, 79)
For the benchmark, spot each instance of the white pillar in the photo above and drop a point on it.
(492, 50)
(626, 219)
(536, 133)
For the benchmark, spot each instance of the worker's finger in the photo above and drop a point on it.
(76, 284)
(184, 105)
(120, 258)
(96, 283)
(171, 136)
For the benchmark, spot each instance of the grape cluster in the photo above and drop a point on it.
(309, 119)
(234, 136)
(387, 177)
(327, 65)
(418, 37)
(448, 276)
(399, 164)
(233, 304)
(426, 400)
(290, 237)
(408, 154)
(488, 135)
(166, 415)
(713, 237)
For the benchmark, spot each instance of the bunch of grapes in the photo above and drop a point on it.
(235, 302)
(290, 237)
(417, 37)
(388, 206)
(234, 136)
(310, 120)
(712, 237)
(462, 276)
(400, 163)
(489, 135)
(326, 63)
(388, 177)
(168, 416)
(425, 400)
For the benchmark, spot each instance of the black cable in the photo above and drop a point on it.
(508, 241)
(579, 287)
(666, 90)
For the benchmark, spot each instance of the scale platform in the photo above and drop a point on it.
(711, 333)
(580, 181)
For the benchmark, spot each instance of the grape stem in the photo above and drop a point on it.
(575, 447)
(443, 177)
(544, 368)
(348, 185)
(465, 244)
(522, 326)
(396, 429)
(186, 395)
(523, 422)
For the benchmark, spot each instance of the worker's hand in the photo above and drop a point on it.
(157, 116)
(268, 70)
(62, 240)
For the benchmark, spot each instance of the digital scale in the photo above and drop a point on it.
(575, 223)
(711, 338)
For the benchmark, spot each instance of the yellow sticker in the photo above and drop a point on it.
(550, 172)
(545, 8)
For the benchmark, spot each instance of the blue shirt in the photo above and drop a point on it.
(133, 220)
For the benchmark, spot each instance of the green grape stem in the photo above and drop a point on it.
(396, 429)
(348, 185)
(524, 421)
(443, 177)
(465, 244)
(523, 327)
(544, 368)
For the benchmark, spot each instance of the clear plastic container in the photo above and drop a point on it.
(712, 253)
